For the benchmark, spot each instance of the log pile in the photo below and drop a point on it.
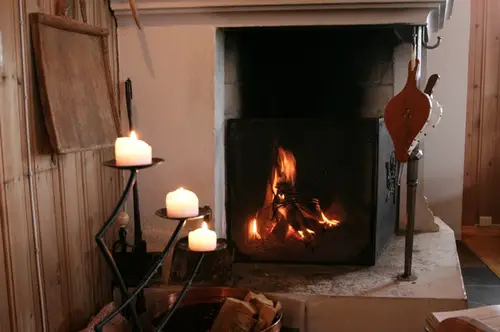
(254, 313)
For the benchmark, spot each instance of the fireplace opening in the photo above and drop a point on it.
(310, 170)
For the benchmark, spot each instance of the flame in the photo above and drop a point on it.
(285, 170)
(282, 204)
(253, 231)
(204, 225)
(328, 222)
(133, 135)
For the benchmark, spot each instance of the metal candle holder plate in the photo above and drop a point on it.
(112, 163)
(203, 213)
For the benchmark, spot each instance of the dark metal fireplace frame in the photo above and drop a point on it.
(384, 182)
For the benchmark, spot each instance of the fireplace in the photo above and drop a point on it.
(310, 169)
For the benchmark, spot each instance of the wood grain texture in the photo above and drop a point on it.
(72, 63)
(482, 151)
(73, 194)
(485, 243)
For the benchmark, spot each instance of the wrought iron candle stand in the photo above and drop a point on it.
(128, 306)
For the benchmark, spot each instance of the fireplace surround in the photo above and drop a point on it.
(310, 170)
(177, 64)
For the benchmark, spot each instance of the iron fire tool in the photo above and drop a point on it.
(406, 115)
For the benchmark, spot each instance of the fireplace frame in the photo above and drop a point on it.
(382, 228)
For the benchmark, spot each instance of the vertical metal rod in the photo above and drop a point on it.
(412, 184)
(181, 295)
(412, 181)
(140, 245)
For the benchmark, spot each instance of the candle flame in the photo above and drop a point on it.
(204, 225)
(133, 135)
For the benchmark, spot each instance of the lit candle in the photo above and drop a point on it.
(182, 203)
(129, 151)
(202, 239)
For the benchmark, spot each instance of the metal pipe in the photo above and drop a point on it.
(411, 199)
(31, 184)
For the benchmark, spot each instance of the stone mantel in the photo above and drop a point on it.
(227, 13)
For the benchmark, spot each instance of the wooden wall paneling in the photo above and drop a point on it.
(475, 84)
(71, 195)
(16, 227)
(55, 302)
(489, 110)
(4, 294)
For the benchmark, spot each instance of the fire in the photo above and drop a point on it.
(287, 213)
(285, 170)
(253, 231)
(328, 222)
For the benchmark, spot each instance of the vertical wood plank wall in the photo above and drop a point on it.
(482, 149)
(73, 194)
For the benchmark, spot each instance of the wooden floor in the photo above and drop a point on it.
(485, 243)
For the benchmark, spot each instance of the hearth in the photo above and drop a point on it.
(310, 169)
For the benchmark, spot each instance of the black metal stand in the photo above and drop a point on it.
(411, 201)
(139, 257)
(128, 298)
(99, 238)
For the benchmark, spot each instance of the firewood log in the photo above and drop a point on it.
(235, 316)
(258, 300)
(266, 315)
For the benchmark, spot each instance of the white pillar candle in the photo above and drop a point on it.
(129, 151)
(182, 203)
(202, 239)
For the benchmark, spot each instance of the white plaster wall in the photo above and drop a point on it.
(444, 149)
(172, 72)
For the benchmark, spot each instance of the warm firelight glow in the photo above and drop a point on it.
(252, 230)
(328, 222)
(133, 135)
(284, 207)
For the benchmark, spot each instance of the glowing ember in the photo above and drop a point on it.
(301, 233)
(309, 231)
(328, 222)
(252, 230)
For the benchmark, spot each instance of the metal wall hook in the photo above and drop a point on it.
(431, 47)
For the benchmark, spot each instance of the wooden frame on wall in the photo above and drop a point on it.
(74, 77)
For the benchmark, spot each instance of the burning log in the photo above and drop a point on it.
(287, 213)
